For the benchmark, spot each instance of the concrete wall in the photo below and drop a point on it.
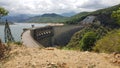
(43, 35)
(63, 34)
(54, 35)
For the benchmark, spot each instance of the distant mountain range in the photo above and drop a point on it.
(17, 18)
(45, 18)
(69, 14)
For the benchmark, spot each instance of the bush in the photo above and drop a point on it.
(18, 43)
(109, 43)
(74, 43)
(88, 41)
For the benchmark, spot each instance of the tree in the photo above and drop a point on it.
(116, 15)
(88, 41)
(3, 12)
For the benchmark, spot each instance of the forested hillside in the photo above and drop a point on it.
(97, 35)
(47, 18)
(103, 15)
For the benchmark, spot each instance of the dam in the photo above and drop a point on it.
(49, 36)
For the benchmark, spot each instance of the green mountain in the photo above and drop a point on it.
(76, 18)
(103, 15)
(103, 23)
(47, 18)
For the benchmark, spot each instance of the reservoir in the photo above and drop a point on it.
(17, 29)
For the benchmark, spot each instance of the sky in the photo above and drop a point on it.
(54, 6)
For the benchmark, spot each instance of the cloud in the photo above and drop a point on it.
(95, 4)
(98, 4)
(54, 6)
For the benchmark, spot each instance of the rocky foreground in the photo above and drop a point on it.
(22, 57)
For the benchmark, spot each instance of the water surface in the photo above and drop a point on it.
(17, 29)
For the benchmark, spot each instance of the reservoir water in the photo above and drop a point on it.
(17, 29)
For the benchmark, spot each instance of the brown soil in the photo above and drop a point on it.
(22, 57)
(2, 50)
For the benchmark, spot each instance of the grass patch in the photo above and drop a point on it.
(109, 43)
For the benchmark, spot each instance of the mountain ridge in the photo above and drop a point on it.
(103, 15)
(47, 18)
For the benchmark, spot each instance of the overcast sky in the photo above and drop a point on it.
(54, 6)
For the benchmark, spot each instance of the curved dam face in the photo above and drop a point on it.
(63, 34)
(54, 35)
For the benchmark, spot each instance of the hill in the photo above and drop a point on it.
(47, 18)
(69, 14)
(17, 18)
(103, 24)
(76, 18)
(103, 15)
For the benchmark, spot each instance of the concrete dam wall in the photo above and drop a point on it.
(54, 35)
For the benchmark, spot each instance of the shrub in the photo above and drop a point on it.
(109, 43)
(74, 43)
(18, 43)
(88, 41)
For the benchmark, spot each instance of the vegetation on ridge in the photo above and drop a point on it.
(76, 40)
(103, 15)
(77, 18)
(47, 18)
(109, 43)
(97, 37)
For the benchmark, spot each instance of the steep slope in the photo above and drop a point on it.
(101, 26)
(103, 15)
(47, 18)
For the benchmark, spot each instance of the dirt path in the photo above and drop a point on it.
(22, 57)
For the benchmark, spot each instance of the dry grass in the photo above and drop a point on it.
(22, 57)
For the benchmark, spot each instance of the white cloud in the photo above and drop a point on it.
(54, 6)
